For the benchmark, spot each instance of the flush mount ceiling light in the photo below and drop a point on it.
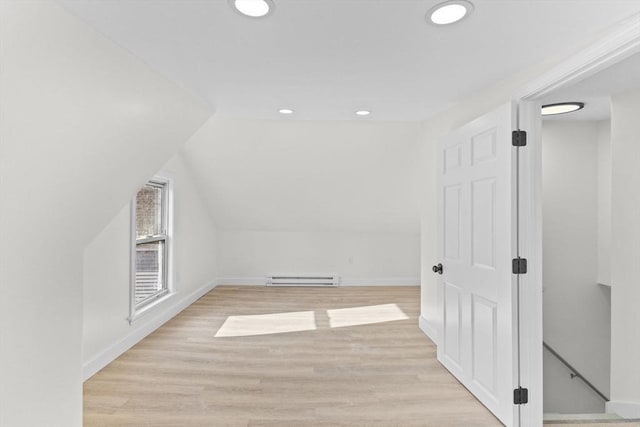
(363, 112)
(252, 8)
(449, 12)
(285, 111)
(561, 108)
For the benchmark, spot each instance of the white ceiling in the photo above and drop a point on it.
(596, 91)
(327, 58)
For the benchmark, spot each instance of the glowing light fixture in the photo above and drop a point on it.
(363, 113)
(285, 111)
(253, 8)
(449, 12)
(561, 108)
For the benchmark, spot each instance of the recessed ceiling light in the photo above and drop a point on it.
(363, 112)
(285, 111)
(449, 12)
(561, 108)
(252, 8)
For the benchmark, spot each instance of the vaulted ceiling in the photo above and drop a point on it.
(327, 58)
(318, 170)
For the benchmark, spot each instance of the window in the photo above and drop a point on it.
(150, 258)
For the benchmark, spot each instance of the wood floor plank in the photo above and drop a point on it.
(374, 367)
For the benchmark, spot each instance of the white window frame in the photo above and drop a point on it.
(137, 309)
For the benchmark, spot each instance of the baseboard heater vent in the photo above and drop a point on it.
(315, 280)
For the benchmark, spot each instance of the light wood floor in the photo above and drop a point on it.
(257, 356)
(378, 374)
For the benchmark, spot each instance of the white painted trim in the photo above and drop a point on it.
(165, 179)
(344, 281)
(429, 330)
(619, 44)
(623, 409)
(380, 281)
(531, 316)
(150, 308)
(92, 366)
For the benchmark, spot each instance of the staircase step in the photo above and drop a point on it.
(581, 417)
(588, 420)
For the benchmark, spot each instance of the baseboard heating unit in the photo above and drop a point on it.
(300, 280)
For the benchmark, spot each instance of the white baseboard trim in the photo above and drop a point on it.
(152, 321)
(428, 329)
(345, 281)
(623, 409)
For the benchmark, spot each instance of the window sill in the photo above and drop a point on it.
(149, 307)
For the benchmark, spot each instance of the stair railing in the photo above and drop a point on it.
(574, 372)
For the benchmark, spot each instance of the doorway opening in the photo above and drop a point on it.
(589, 230)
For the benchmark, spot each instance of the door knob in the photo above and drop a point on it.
(437, 268)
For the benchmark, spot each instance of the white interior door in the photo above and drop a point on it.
(476, 245)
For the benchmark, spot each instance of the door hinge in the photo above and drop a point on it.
(520, 396)
(519, 138)
(519, 266)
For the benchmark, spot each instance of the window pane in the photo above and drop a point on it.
(150, 277)
(149, 211)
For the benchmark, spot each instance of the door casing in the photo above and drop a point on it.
(621, 43)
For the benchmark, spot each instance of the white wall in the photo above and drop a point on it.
(82, 124)
(357, 257)
(295, 175)
(566, 395)
(625, 254)
(576, 308)
(604, 202)
(106, 281)
(309, 196)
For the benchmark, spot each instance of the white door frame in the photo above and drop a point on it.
(618, 45)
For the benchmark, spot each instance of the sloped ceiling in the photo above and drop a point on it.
(309, 176)
(83, 124)
(319, 169)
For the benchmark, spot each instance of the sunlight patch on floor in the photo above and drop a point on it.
(354, 316)
(265, 324)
